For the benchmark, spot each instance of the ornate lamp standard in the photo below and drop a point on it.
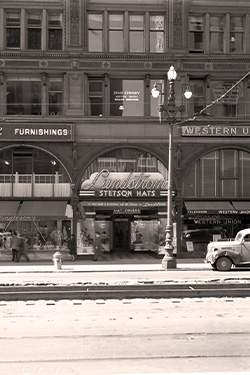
(169, 261)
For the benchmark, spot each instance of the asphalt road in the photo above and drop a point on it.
(140, 336)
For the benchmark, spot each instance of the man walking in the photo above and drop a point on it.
(21, 248)
(14, 244)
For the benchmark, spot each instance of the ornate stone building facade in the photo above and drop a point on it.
(82, 148)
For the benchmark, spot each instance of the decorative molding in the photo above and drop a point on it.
(177, 23)
(75, 22)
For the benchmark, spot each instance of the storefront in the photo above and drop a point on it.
(45, 225)
(123, 196)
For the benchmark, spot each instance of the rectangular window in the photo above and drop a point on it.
(231, 105)
(216, 34)
(136, 33)
(96, 97)
(13, 29)
(244, 159)
(236, 34)
(209, 165)
(157, 28)
(197, 101)
(55, 96)
(116, 38)
(126, 97)
(196, 29)
(34, 30)
(24, 97)
(55, 31)
(95, 32)
(154, 103)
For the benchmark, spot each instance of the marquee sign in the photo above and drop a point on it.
(36, 132)
(106, 184)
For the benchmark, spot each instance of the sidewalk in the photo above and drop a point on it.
(100, 266)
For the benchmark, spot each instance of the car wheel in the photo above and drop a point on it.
(223, 264)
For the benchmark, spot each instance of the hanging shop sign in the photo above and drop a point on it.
(217, 220)
(216, 131)
(106, 184)
(36, 132)
(127, 211)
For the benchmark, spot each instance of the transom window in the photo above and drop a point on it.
(223, 173)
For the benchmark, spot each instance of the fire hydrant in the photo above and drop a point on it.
(57, 259)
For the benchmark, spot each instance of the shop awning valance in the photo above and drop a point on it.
(43, 210)
(243, 207)
(8, 209)
(210, 207)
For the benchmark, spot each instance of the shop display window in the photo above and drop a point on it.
(42, 235)
(85, 236)
(148, 235)
(104, 228)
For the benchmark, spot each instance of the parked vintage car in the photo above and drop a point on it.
(223, 254)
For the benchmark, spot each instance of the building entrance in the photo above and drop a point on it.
(121, 234)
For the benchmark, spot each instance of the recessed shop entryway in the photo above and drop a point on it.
(121, 234)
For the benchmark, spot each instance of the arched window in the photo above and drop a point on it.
(223, 173)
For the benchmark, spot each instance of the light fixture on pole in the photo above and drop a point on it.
(169, 261)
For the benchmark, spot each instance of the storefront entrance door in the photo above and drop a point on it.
(121, 234)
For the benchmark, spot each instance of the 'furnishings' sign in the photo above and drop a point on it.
(36, 132)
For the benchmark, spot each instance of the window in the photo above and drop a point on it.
(95, 32)
(24, 96)
(116, 38)
(55, 31)
(126, 97)
(196, 28)
(13, 29)
(34, 30)
(55, 96)
(232, 105)
(216, 34)
(136, 33)
(223, 173)
(236, 34)
(154, 103)
(157, 34)
(197, 101)
(96, 97)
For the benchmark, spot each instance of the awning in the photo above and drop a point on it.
(8, 209)
(242, 207)
(43, 210)
(210, 207)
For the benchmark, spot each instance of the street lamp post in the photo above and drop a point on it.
(169, 261)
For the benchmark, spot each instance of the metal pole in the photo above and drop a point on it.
(169, 261)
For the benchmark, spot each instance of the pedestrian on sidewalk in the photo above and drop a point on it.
(22, 248)
(97, 246)
(72, 247)
(14, 244)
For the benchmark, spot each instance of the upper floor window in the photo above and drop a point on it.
(197, 101)
(55, 31)
(236, 34)
(13, 30)
(136, 33)
(95, 32)
(232, 105)
(157, 27)
(126, 97)
(34, 30)
(24, 96)
(216, 33)
(55, 96)
(116, 30)
(196, 30)
(96, 95)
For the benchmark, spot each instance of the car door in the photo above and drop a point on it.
(245, 249)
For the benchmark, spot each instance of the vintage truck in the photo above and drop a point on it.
(222, 255)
